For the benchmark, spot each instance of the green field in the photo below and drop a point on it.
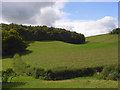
(99, 50)
(82, 82)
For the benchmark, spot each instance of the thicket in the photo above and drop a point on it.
(105, 72)
(110, 72)
(8, 74)
(42, 33)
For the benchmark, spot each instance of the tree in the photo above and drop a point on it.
(12, 43)
(116, 31)
(40, 33)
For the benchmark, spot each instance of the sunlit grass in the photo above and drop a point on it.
(82, 82)
(99, 50)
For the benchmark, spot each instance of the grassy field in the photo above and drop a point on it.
(97, 51)
(82, 82)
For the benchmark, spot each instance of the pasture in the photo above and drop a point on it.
(82, 82)
(98, 50)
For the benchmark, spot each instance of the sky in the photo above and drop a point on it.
(88, 18)
(90, 10)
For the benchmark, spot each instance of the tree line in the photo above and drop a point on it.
(14, 36)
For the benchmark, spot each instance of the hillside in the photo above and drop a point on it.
(98, 51)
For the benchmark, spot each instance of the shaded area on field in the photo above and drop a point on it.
(22, 53)
(4, 57)
(26, 52)
(10, 85)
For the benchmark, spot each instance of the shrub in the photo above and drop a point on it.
(110, 73)
(39, 72)
(30, 71)
(67, 73)
(9, 73)
(116, 31)
(48, 75)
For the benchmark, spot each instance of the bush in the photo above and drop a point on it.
(30, 71)
(8, 74)
(116, 31)
(67, 73)
(110, 73)
(39, 72)
(60, 74)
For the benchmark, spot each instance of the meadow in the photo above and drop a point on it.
(82, 82)
(98, 50)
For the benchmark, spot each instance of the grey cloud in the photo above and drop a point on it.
(22, 12)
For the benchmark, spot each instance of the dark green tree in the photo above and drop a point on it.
(42, 33)
(12, 43)
(116, 31)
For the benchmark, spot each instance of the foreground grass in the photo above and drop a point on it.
(83, 82)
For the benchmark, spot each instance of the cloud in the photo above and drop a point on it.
(35, 13)
(89, 28)
(22, 12)
(50, 14)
